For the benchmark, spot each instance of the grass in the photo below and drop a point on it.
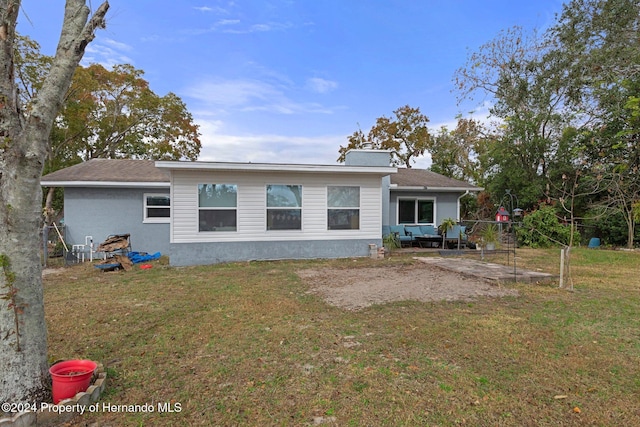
(247, 344)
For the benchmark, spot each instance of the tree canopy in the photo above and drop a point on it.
(406, 135)
(567, 106)
(109, 114)
(106, 114)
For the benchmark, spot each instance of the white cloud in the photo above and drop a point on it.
(232, 92)
(220, 147)
(117, 45)
(250, 95)
(319, 85)
(107, 52)
(234, 26)
(224, 22)
(203, 8)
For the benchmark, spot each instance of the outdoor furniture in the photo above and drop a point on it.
(428, 237)
(429, 241)
(413, 231)
(429, 230)
(399, 231)
(456, 237)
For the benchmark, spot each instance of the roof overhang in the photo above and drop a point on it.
(274, 167)
(105, 184)
(395, 187)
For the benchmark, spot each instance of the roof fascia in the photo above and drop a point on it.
(273, 167)
(395, 187)
(105, 184)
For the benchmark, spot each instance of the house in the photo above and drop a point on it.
(419, 196)
(105, 197)
(211, 212)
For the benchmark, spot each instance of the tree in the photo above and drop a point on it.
(596, 41)
(528, 100)
(406, 136)
(114, 114)
(107, 114)
(461, 153)
(23, 152)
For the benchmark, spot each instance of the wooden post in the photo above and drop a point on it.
(561, 268)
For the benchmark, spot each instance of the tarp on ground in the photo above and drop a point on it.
(138, 257)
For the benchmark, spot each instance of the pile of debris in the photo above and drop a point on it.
(118, 254)
(115, 263)
(118, 242)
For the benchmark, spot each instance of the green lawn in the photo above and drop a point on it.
(247, 344)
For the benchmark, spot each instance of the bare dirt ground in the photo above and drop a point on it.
(357, 288)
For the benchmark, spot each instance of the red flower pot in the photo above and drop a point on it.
(70, 377)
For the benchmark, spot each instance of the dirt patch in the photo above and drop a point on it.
(357, 288)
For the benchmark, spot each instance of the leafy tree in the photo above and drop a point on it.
(597, 43)
(31, 67)
(25, 131)
(107, 114)
(543, 229)
(528, 102)
(406, 135)
(114, 114)
(461, 153)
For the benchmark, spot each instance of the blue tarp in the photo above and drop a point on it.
(137, 257)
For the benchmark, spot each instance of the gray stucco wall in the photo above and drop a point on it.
(100, 212)
(446, 204)
(183, 254)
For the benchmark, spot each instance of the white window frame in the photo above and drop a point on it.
(337, 208)
(218, 208)
(415, 212)
(283, 208)
(155, 220)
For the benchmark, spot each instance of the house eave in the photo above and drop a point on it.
(105, 184)
(396, 187)
(274, 167)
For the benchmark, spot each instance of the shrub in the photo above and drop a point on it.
(542, 229)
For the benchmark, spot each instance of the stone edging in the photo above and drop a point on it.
(49, 417)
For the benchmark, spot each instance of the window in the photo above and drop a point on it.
(343, 208)
(284, 207)
(217, 207)
(157, 208)
(415, 211)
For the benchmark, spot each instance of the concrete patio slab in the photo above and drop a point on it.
(487, 270)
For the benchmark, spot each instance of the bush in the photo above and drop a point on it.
(542, 229)
(611, 228)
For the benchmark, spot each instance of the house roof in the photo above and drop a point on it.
(275, 167)
(423, 179)
(107, 173)
(149, 173)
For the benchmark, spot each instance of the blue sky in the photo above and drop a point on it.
(287, 81)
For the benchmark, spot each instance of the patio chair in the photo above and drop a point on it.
(398, 230)
(457, 234)
(414, 231)
(429, 230)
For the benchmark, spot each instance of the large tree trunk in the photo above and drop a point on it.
(24, 139)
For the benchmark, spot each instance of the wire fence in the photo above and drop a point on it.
(55, 247)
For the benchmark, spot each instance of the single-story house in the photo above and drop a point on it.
(211, 212)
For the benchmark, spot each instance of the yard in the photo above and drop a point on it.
(262, 343)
